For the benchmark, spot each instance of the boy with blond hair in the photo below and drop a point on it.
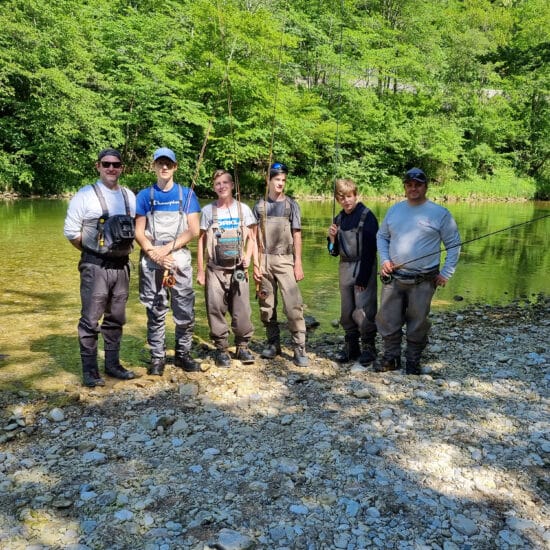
(352, 236)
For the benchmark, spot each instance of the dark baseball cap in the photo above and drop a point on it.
(109, 152)
(415, 174)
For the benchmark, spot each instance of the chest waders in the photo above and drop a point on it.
(227, 247)
(168, 278)
(350, 242)
(108, 239)
(276, 231)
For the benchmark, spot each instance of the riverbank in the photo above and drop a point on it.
(273, 456)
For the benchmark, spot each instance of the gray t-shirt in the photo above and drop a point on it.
(228, 218)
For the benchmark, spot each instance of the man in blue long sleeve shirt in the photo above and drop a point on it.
(409, 244)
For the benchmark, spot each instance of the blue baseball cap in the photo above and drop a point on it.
(415, 174)
(277, 168)
(164, 152)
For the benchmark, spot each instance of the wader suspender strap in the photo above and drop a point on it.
(152, 209)
(358, 235)
(103, 204)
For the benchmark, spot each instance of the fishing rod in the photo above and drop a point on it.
(262, 233)
(479, 237)
(338, 109)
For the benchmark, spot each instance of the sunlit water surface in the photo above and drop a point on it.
(40, 303)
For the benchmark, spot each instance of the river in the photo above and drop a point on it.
(40, 297)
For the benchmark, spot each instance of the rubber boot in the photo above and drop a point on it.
(156, 367)
(244, 355)
(391, 359)
(300, 357)
(368, 350)
(90, 372)
(413, 353)
(351, 349)
(273, 346)
(114, 368)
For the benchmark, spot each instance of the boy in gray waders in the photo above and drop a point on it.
(167, 219)
(280, 265)
(352, 237)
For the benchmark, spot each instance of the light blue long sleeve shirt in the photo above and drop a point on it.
(411, 236)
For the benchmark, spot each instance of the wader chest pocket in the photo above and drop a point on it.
(227, 252)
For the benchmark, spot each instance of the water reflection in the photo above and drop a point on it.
(499, 268)
(40, 278)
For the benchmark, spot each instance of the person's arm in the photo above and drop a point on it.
(368, 251)
(145, 244)
(451, 240)
(256, 255)
(383, 246)
(297, 241)
(77, 242)
(251, 253)
(201, 245)
(73, 221)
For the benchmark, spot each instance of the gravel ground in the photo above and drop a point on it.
(272, 456)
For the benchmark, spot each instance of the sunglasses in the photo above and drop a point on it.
(106, 164)
(414, 183)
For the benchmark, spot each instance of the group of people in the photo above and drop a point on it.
(104, 219)
(408, 243)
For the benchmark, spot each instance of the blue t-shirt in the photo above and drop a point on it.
(167, 201)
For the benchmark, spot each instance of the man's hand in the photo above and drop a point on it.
(332, 232)
(298, 272)
(257, 274)
(439, 280)
(387, 268)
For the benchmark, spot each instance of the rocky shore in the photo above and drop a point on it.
(272, 456)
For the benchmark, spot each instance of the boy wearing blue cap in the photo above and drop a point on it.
(409, 244)
(167, 219)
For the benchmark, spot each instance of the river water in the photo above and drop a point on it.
(40, 305)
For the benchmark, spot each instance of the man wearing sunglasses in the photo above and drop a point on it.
(409, 243)
(99, 223)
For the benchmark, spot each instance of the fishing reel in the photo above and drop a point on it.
(239, 275)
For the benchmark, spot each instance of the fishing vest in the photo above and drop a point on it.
(350, 242)
(109, 236)
(225, 245)
(275, 231)
(163, 227)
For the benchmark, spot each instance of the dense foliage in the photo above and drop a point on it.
(357, 88)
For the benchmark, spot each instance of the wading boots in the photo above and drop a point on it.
(351, 350)
(114, 368)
